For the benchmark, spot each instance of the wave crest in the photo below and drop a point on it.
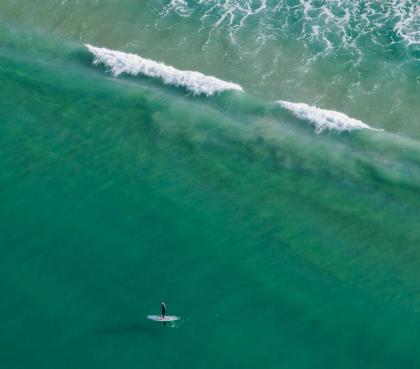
(325, 119)
(197, 83)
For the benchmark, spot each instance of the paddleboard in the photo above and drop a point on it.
(158, 318)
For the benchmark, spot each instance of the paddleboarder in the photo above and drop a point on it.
(163, 309)
(163, 317)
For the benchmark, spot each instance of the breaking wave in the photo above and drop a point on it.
(324, 119)
(197, 83)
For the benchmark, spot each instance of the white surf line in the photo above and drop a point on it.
(324, 119)
(197, 83)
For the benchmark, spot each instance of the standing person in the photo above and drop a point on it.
(163, 309)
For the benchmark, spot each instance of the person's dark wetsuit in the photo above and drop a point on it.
(163, 308)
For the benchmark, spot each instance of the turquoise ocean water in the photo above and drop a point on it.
(264, 182)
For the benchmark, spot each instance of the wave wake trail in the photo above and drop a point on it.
(324, 119)
(197, 83)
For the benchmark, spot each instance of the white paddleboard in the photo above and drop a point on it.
(158, 318)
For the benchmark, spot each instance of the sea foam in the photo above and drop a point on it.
(197, 83)
(323, 27)
(324, 119)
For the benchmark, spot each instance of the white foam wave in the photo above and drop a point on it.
(197, 83)
(324, 119)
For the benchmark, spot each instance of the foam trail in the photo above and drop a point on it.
(197, 83)
(325, 119)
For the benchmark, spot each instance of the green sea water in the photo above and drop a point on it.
(278, 247)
